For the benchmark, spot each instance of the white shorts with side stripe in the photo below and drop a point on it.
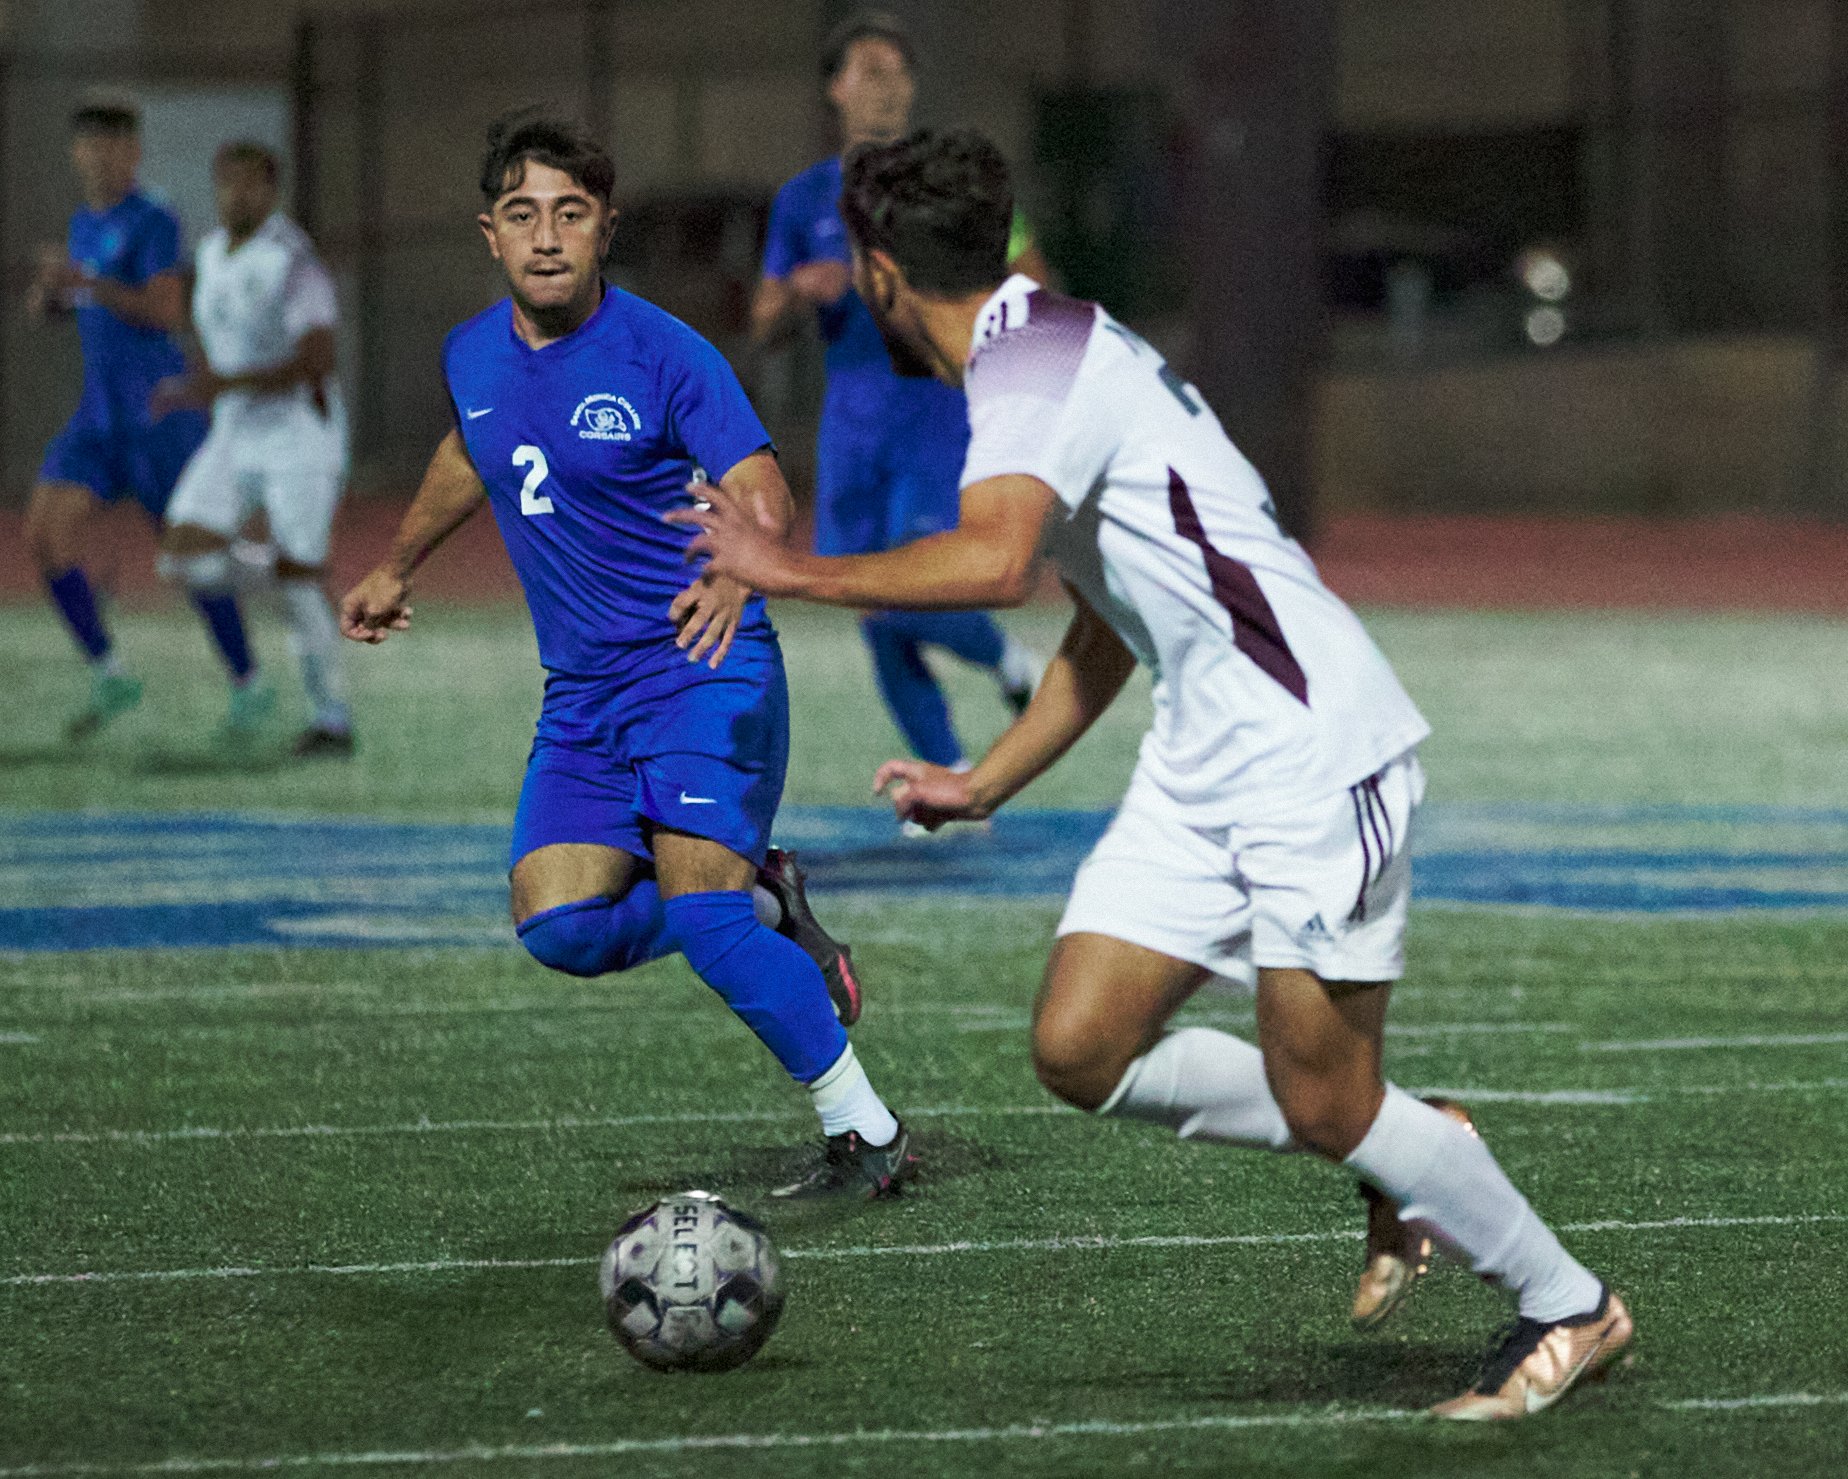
(296, 480)
(1323, 888)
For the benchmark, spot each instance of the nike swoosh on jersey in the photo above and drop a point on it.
(686, 800)
(477, 415)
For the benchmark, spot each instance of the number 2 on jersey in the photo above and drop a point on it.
(529, 456)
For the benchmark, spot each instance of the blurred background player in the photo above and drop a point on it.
(1266, 832)
(891, 446)
(264, 310)
(119, 276)
(582, 413)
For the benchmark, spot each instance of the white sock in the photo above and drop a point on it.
(1204, 1085)
(109, 664)
(1441, 1174)
(1020, 668)
(845, 1100)
(315, 639)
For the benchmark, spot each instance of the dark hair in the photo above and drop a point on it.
(529, 135)
(106, 115)
(250, 152)
(864, 25)
(938, 203)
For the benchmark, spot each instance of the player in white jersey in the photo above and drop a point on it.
(1265, 832)
(264, 310)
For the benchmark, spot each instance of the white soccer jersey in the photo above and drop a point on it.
(251, 307)
(1268, 691)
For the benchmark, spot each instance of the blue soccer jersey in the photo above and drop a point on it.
(132, 241)
(110, 445)
(806, 226)
(584, 446)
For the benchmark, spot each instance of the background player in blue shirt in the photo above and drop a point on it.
(891, 447)
(119, 276)
(582, 415)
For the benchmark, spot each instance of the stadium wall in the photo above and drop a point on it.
(715, 99)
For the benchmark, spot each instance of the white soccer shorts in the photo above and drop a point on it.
(1323, 888)
(297, 483)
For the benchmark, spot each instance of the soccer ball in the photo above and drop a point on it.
(691, 1284)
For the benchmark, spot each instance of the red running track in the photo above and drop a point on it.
(1740, 563)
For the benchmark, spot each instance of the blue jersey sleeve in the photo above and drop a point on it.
(784, 244)
(710, 414)
(156, 249)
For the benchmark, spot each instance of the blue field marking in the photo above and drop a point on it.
(91, 881)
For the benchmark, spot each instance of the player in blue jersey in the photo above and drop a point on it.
(582, 415)
(891, 447)
(119, 276)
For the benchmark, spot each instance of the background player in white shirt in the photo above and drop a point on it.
(264, 311)
(1265, 831)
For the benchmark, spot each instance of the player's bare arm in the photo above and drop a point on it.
(780, 302)
(158, 303)
(310, 364)
(707, 613)
(986, 561)
(1080, 682)
(451, 491)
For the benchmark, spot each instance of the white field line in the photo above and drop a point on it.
(1096, 1244)
(559, 1124)
(571, 1124)
(1680, 1044)
(1744, 1404)
(18, 1038)
(1031, 1432)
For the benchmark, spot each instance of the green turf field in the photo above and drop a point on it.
(343, 1206)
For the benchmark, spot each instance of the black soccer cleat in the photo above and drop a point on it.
(316, 743)
(852, 1170)
(783, 878)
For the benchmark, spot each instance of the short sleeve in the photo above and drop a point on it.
(157, 248)
(784, 239)
(1025, 404)
(308, 300)
(710, 414)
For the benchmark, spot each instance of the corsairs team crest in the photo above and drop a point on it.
(606, 418)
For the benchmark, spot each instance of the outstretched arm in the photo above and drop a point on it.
(1082, 681)
(984, 562)
(450, 492)
(707, 613)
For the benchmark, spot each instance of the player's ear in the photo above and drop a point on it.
(486, 222)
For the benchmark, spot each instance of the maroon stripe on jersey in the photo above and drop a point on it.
(1254, 625)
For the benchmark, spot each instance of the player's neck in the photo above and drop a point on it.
(538, 327)
(949, 328)
(852, 139)
(104, 201)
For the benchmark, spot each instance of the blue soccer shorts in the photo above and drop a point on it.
(125, 460)
(667, 743)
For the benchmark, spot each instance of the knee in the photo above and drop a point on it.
(1325, 1113)
(574, 938)
(1077, 1065)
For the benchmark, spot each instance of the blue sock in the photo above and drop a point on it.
(910, 690)
(226, 623)
(974, 636)
(592, 937)
(769, 981)
(76, 603)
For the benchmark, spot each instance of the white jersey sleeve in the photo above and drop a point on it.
(1019, 384)
(308, 300)
(1268, 691)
